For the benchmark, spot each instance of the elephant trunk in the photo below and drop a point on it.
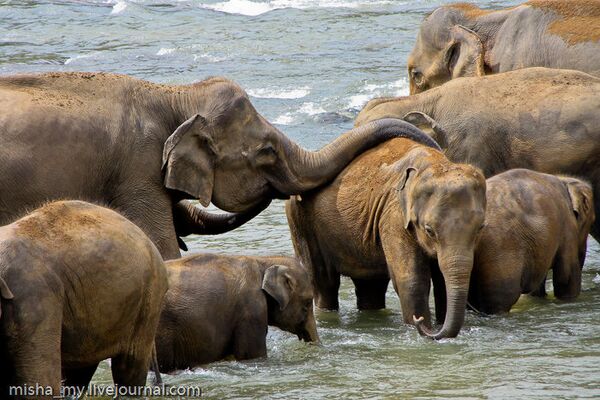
(191, 219)
(307, 170)
(309, 330)
(456, 269)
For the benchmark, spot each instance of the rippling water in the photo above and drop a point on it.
(309, 66)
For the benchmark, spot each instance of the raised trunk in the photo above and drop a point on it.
(306, 170)
(191, 219)
(457, 272)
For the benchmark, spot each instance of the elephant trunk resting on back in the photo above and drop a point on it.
(399, 211)
(542, 119)
(534, 222)
(141, 148)
(460, 40)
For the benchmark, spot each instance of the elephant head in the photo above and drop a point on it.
(582, 203)
(445, 49)
(228, 154)
(290, 301)
(443, 207)
(5, 293)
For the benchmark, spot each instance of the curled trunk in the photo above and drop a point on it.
(306, 170)
(191, 219)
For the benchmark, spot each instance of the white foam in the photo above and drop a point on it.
(371, 91)
(287, 94)
(208, 57)
(81, 56)
(285, 119)
(119, 7)
(164, 51)
(252, 8)
(311, 109)
(596, 279)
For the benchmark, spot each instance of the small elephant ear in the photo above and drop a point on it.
(581, 201)
(405, 205)
(464, 56)
(278, 283)
(188, 158)
(427, 125)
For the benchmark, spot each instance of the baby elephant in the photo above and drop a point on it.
(401, 210)
(219, 306)
(534, 222)
(78, 284)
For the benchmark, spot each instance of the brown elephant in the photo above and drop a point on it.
(141, 148)
(542, 119)
(399, 211)
(87, 285)
(533, 223)
(460, 39)
(219, 306)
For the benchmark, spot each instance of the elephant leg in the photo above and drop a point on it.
(250, 339)
(130, 370)
(540, 291)
(595, 231)
(439, 292)
(566, 273)
(326, 292)
(79, 378)
(370, 293)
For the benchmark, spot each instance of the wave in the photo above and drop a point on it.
(307, 109)
(285, 94)
(371, 91)
(118, 7)
(165, 51)
(254, 8)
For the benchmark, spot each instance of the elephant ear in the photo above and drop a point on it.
(408, 174)
(581, 198)
(427, 125)
(188, 160)
(464, 56)
(5, 292)
(279, 284)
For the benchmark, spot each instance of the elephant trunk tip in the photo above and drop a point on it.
(423, 330)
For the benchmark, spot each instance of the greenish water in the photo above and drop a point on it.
(309, 66)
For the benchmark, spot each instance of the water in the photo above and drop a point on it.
(309, 66)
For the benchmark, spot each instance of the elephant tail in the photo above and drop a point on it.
(154, 367)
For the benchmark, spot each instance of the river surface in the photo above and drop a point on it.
(309, 66)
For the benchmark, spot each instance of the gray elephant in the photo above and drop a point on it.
(219, 306)
(401, 210)
(542, 119)
(534, 223)
(85, 284)
(141, 148)
(460, 39)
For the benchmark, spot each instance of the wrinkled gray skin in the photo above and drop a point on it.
(461, 40)
(399, 211)
(219, 306)
(534, 223)
(542, 119)
(141, 148)
(84, 284)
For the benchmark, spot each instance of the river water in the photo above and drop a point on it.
(309, 66)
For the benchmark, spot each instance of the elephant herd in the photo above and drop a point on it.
(479, 183)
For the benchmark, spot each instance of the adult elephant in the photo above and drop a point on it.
(543, 119)
(141, 148)
(462, 40)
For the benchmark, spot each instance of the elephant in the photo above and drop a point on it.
(542, 119)
(533, 223)
(86, 284)
(401, 211)
(141, 148)
(219, 306)
(458, 40)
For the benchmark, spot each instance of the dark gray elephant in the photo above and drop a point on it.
(219, 306)
(462, 40)
(79, 284)
(542, 119)
(141, 148)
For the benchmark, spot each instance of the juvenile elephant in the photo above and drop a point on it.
(141, 148)
(83, 284)
(397, 211)
(542, 119)
(219, 306)
(534, 223)
(463, 40)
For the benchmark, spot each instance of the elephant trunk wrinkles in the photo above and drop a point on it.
(456, 270)
(307, 170)
(310, 329)
(191, 219)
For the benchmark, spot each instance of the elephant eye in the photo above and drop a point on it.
(481, 228)
(429, 231)
(417, 77)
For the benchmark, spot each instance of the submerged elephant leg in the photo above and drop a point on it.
(370, 293)
(326, 292)
(540, 291)
(79, 377)
(130, 370)
(566, 274)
